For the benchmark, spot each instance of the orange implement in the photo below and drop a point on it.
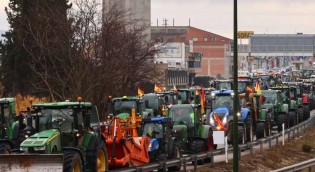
(123, 144)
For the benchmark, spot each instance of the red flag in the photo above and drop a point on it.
(203, 100)
(217, 119)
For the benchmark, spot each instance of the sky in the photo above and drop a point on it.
(260, 16)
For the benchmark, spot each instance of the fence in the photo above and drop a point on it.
(290, 133)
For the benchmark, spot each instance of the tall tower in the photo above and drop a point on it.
(139, 10)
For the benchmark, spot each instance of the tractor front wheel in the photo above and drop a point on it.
(282, 119)
(306, 111)
(292, 119)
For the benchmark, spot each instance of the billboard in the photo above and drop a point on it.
(244, 34)
(171, 50)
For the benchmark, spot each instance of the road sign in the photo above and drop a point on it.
(244, 34)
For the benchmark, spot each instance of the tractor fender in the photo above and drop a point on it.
(284, 108)
(244, 113)
(205, 131)
(305, 98)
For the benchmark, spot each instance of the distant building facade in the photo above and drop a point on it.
(205, 51)
(139, 10)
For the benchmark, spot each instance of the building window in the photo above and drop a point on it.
(205, 39)
(182, 39)
(195, 39)
(213, 39)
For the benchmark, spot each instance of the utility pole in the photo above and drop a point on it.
(235, 90)
(165, 31)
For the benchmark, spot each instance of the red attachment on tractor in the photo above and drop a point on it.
(305, 98)
(123, 143)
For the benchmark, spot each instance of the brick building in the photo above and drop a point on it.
(210, 45)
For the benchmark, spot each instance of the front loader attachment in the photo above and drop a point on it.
(31, 163)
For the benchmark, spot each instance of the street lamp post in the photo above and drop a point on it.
(235, 89)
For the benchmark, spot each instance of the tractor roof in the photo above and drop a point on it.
(62, 105)
(228, 92)
(126, 98)
(158, 119)
(7, 100)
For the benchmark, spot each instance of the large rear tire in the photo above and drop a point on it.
(176, 153)
(292, 118)
(97, 156)
(198, 146)
(260, 130)
(306, 112)
(282, 119)
(72, 162)
(5, 148)
(300, 114)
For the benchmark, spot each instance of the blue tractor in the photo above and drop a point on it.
(221, 116)
(163, 145)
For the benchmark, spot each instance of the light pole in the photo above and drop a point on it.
(235, 89)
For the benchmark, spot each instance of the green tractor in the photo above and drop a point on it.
(261, 117)
(302, 98)
(147, 106)
(70, 129)
(272, 100)
(192, 135)
(11, 130)
(289, 97)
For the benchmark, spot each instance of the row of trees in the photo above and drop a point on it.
(62, 50)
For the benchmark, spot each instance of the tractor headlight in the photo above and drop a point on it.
(150, 146)
(232, 94)
(24, 149)
(211, 121)
(41, 148)
(213, 95)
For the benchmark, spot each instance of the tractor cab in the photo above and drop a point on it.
(222, 85)
(122, 106)
(7, 116)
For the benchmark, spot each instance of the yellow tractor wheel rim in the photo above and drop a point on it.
(76, 167)
(101, 161)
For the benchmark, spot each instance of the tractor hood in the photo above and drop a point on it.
(267, 106)
(41, 138)
(123, 115)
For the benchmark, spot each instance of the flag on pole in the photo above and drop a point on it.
(140, 92)
(258, 90)
(203, 100)
(157, 88)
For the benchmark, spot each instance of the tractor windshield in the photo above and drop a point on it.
(183, 96)
(153, 130)
(182, 115)
(222, 101)
(124, 106)
(56, 118)
(241, 86)
(270, 97)
(153, 101)
(224, 86)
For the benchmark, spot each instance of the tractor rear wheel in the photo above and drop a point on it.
(282, 119)
(306, 112)
(300, 115)
(72, 161)
(5, 148)
(175, 154)
(97, 155)
(292, 118)
(198, 146)
(260, 130)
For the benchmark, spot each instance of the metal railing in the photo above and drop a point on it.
(290, 132)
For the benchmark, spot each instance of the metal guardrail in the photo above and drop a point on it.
(290, 132)
(296, 167)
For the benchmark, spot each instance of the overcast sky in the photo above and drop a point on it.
(260, 16)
